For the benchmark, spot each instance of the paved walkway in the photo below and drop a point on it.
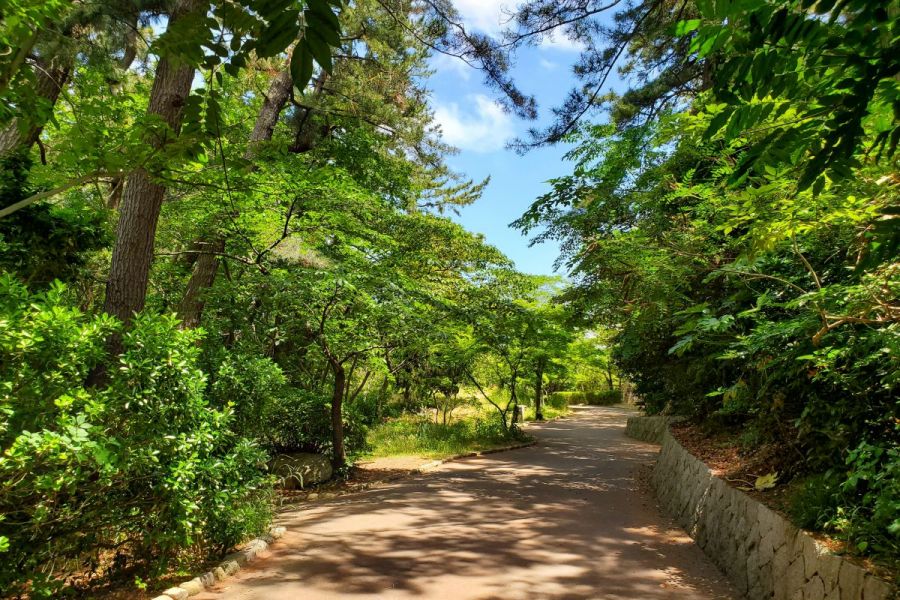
(563, 519)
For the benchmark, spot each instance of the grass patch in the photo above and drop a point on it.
(550, 412)
(413, 435)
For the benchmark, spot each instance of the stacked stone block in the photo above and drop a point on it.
(763, 554)
(649, 429)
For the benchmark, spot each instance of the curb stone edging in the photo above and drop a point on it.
(436, 463)
(231, 564)
(762, 553)
(649, 429)
(430, 466)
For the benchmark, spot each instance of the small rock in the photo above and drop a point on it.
(300, 470)
(219, 573)
(176, 593)
(277, 532)
(312, 496)
(249, 555)
(208, 579)
(193, 587)
(230, 567)
(259, 545)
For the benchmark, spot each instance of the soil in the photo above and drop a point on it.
(739, 467)
(722, 452)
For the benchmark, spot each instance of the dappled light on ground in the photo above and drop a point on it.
(564, 519)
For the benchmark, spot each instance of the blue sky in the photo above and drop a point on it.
(471, 120)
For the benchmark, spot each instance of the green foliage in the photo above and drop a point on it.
(144, 465)
(43, 242)
(300, 421)
(829, 66)
(858, 502)
(416, 436)
(597, 398)
(253, 388)
(868, 501)
(741, 248)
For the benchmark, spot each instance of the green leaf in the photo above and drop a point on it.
(301, 67)
(766, 481)
(683, 27)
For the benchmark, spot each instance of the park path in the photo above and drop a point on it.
(562, 519)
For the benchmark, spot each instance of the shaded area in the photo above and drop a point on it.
(564, 519)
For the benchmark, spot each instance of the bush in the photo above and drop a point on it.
(860, 503)
(252, 387)
(43, 242)
(301, 422)
(417, 435)
(603, 398)
(132, 474)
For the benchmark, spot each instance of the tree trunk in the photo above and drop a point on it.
(51, 77)
(204, 273)
(126, 288)
(382, 394)
(306, 135)
(337, 418)
(514, 400)
(539, 393)
(274, 102)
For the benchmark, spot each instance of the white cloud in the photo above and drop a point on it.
(487, 15)
(561, 42)
(491, 16)
(547, 64)
(443, 63)
(479, 126)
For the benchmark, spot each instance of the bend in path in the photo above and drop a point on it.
(563, 519)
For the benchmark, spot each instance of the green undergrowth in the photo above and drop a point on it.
(550, 412)
(413, 435)
(855, 501)
(597, 398)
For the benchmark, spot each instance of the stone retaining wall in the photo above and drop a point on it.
(760, 551)
(648, 429)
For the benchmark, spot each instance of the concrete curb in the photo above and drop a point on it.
(436, 463)
(231, 564)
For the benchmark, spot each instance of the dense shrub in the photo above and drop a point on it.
(44, 242)
(301, 421)
(253, 387)
(138, 470)
(412, 434)
(860, 502)
(601, 398)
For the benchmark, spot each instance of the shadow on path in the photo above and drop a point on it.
(563, 519)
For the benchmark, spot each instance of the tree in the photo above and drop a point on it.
(549, 341)
(180, 50)
(741, 244)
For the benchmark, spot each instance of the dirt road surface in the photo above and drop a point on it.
(563, 519)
